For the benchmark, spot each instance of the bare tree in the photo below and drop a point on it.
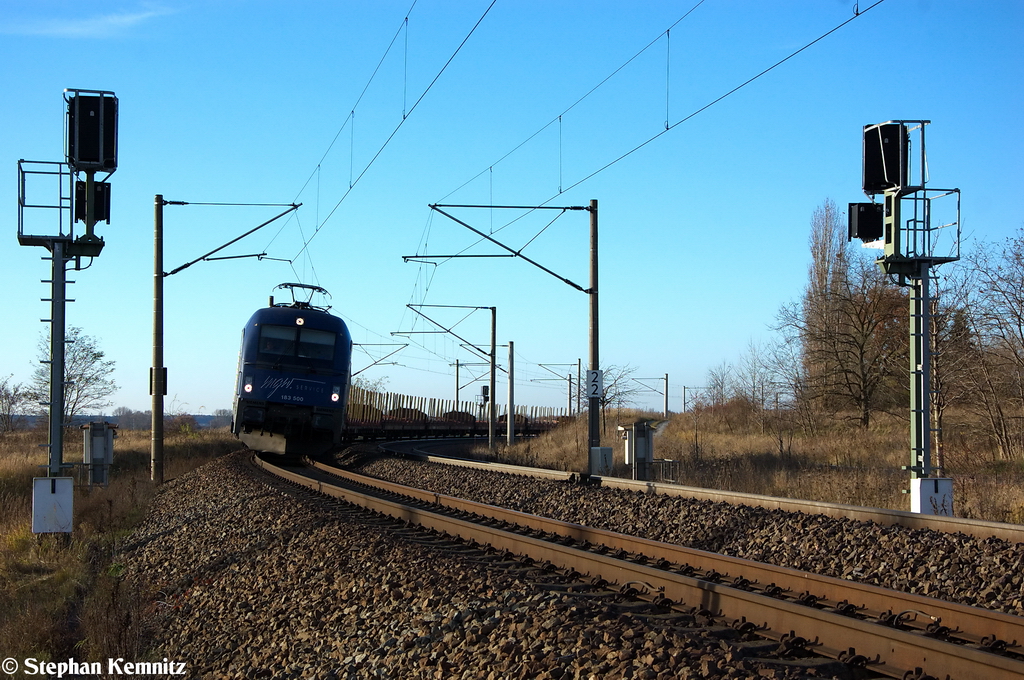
(717, 383)
(376, 385)
(620, 390)
(791, 383)
(998, 320)
(851, 325)
(753, 383)
(870, 345)
(13, 400)
(88, 380)
(829, 267)
(955, 355)
(699, 406)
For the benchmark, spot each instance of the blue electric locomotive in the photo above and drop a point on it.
(293, 377)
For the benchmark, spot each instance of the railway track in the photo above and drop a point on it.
(1013, 533)
(885, 633)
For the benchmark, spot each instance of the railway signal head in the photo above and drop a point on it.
(91, 130)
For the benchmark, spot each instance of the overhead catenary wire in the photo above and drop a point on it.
(394, 132)
(369, 81)
(719, 99)
(291, 263)
(350, 123)
(668, 127)
(558, 118)
(412, 341)
(522, 375)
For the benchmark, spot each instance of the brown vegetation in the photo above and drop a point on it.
(725, 448)
(59, 594)
(821, 412)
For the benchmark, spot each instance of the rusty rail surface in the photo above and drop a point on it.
(1014, 533)
(779, 601)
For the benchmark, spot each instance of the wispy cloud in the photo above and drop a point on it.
(97, 26)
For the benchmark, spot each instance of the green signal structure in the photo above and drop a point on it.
(917, 227)
(53, 196)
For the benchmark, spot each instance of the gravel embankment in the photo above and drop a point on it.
(248, 580)
(954, 567)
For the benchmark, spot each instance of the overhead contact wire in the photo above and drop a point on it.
(727, 94)
(558, 118)
(399, 126)
(366, 87)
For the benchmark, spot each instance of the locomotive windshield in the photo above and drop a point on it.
(283, 342)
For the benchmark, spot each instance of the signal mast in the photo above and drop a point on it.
(913, 244)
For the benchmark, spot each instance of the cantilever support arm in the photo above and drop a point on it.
(379, 361)
(294, 206)
(444, 329)
(514, 253)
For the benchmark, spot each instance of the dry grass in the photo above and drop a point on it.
(564, 448)
(51, 584)
(841, 463)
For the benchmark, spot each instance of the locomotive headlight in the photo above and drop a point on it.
(248, 384)
(299, 321)
(336, 393)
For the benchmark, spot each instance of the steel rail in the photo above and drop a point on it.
(974, 625)
(1013, 533)
(897, 651)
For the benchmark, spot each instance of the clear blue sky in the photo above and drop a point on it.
(703, 230)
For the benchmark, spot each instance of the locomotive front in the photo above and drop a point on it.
(293, 380)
